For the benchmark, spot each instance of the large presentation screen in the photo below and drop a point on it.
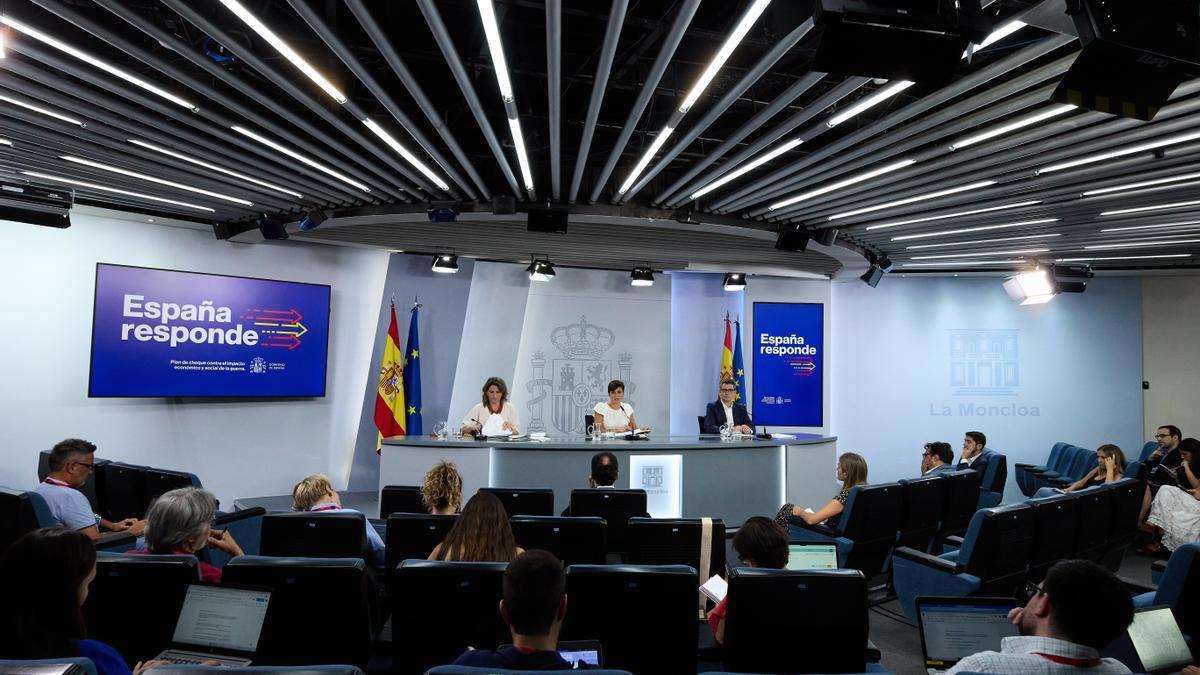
(789, 364)
(170, 333)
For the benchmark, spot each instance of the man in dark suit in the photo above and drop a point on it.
(973, 456)
(725, 410)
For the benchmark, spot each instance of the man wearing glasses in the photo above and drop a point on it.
(71, 462)
(937, 458)
(726, 410)
(1166, 454)
(1077, 611)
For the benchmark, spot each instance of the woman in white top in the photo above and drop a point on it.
(495, 402)
(614, 415)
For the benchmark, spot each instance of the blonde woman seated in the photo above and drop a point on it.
(495, 402)
(1110, 467)
(441, 493)
(481, 534)
(852, 471)
(615, 415)
(316, 494)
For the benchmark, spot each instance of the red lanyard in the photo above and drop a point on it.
(59, 483)
(1068, 661)
(325, 507)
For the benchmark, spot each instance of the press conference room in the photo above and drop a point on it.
(665, 336)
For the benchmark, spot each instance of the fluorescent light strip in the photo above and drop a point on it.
(514, 126)
(152, 179)
(842, 183)
(284, 49)
(44, 111)
(981, 241)
(1145, 183)
(213, 167)
(1128, 257)
(966, 230)
(979, 255)
(956, 263)
(403, 152)
(1140, 244)
(103, 188)
(1156, 207)
(999, 34)
(869, 102)
(5, 141)
(102, 65)
(1184, 225)
(972, 212)
(1054, 111)
(746, 168)
(491, 29)
(918, 198)
(1133, 149)
(655, 146)
(300, 158)
(731, 43)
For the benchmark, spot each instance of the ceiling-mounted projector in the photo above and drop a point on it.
(36, 205)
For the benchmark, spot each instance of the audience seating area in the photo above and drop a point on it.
(1066, 464)
(118, 490)
(1008, 545)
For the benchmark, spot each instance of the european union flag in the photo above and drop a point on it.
(412, 377)
(739, 370)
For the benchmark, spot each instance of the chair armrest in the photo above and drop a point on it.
(954, 540)
(1021, 465)
(1159, 566)
(873, 653)
(1136, 587)
(926, 559)
(1059, 482)
(819, 528)
(112, 540)
(1033, 468)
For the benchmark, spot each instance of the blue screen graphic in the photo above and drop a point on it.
(789, 365)
(182, 334)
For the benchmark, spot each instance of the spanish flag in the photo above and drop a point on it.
(727, 353)
(389, 401)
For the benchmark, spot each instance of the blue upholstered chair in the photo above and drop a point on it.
(866, 531)
(1026, 474)
(991, 484)
(1095, 521)
(962, 498)
(924, 507)
(81, 665)
(1179, 589)
(991, 560)
(1147, 449)
(1123, 524)
(1055, 519)
(338, 589)
(120, 579)
(21, 512)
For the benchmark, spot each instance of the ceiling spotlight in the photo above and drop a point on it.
(872, 276)
(641, 276)
(445, 263)
(1030, 288)
(540, 270)
(735, 281)
(313, 219)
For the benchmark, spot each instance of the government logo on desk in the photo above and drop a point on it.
(652, 477)
(579, 380)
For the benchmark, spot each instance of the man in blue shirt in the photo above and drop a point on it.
(534, 604)
(71, 462)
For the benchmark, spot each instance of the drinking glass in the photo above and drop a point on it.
(439, 430)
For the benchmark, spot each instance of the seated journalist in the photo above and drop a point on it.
(180, 523)
(71, 462)
(726, 410)
(316, 494)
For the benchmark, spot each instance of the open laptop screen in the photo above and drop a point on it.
(222, 618)
(952, 630)
(812, 557)
(1158, 641)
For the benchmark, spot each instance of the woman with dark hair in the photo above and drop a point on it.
(481, 534)
(1175, 512)
(852, 471)
(44, 578)
(759, 542)
(495, 402)
(614, 414)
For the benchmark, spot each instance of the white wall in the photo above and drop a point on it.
(1171, 352)
(238, 448)
(1077, 370)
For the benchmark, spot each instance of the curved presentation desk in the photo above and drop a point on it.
(732, 480)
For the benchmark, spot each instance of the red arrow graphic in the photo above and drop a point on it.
(290, 342)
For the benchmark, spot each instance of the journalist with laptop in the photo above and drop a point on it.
(218, 625)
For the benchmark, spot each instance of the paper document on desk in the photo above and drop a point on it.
(494, 426)
(782, 436)
(715, 588)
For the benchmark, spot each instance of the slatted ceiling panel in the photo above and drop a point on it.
(612, 246)
(202, 51)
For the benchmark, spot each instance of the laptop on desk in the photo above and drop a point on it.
(955, 628)
(812, 557)
(218, 623)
